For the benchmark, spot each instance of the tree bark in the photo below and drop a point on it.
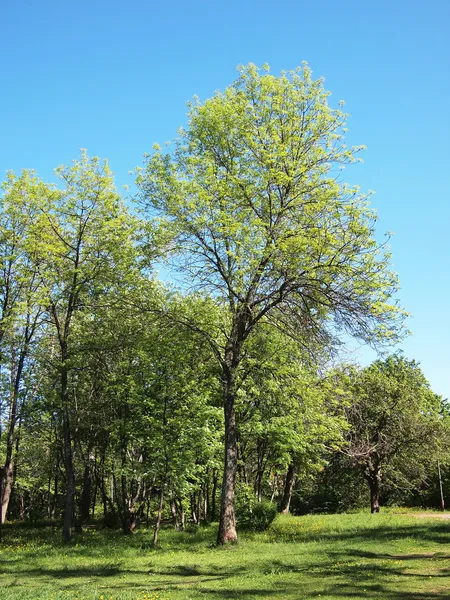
(68, 455)
(85, 507)
(213, 496)
(174, 513)
(374, 496)
(194, 516)
(7, 472)
(180, 508)
(374, 480)
(227, 524)
(159, 516)
(288, 487)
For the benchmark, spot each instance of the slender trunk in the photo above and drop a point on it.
(199, 505)
(227, 524)
(258, 485)
(213, 496)
(55, 487)
(94, 498)
(86, 493)
(207, 497)
(288, 487)
(182, 514)
(7, 472)
(441, 489)
(274, 487)
(205, 504)
(173, 511)
(193, 511)
(147, 512)
(68, 455)
(260, 468)
(21, 508)
(159, 516)
(102, 486)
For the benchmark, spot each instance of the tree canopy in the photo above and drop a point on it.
(259, 219)
(144, 398)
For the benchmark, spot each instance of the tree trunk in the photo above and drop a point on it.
(56, 488)
(373, 478)
(86, 494)
(173, 510)
(374, 485)
(227, 524)
(159, 516)
(180, 508)
(68, 456)
(194, 516)
(199, 505)
(213, 496)
(21, 508)
(7, 472)
(288, 487)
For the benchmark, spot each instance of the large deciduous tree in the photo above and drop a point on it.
(261, 219)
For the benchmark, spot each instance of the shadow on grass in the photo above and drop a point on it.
(329, 570)
(336, 591)
(381, 556)
(435, 533)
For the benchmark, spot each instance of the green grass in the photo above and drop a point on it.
(386, 556)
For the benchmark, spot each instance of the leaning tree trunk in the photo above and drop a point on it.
(227, 524)
(288, 487)
(7, 472)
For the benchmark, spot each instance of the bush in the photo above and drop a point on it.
(251, 514)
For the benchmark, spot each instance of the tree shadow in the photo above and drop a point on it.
(436, 533)
(339, 569)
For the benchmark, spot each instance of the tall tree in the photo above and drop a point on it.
(83, 242)
(20, 309)
(261, 220)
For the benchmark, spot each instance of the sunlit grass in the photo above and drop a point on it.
(388, 555)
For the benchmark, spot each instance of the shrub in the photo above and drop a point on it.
(251, 514)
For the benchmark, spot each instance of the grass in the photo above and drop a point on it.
(386, 556)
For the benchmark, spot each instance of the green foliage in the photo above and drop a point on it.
(112, 378)
(258, 217)
(250, 514)
(396, 420)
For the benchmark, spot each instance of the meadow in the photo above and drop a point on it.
(391, 555)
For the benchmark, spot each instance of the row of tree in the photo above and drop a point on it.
(123, 392)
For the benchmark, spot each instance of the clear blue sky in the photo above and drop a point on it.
(113, 77)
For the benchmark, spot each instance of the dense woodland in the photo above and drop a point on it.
(174, 356)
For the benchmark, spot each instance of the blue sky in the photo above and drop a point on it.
(114, 77)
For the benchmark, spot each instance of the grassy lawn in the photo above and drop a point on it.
(389, 556)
